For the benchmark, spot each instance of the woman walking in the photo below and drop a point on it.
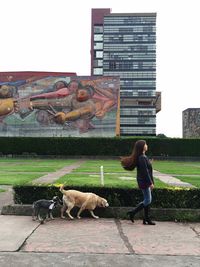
(139, 160)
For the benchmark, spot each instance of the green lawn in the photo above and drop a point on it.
(11, 178)
(94, 166)
(177, 167)
(194, 180)
(114, 175)
(122, 180)
(183, 170)
(22, 171)
(33, 165)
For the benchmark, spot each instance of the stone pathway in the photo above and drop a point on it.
(170, 180)
(100, 243)
(51, 177)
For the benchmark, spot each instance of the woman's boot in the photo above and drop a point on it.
(146, 219)
(132, 213)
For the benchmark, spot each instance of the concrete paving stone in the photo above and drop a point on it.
(33, 259)
(165, 238)
(81, 236)
(14, 230)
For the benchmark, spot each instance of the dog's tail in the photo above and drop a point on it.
(62, 189)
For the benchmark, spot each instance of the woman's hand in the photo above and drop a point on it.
(152, 186)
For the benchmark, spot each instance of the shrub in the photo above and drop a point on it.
(96, 146)
(162, 198)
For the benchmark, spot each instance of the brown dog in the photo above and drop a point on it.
(89, 201)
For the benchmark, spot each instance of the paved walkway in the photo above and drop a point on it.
(103, 242)
(170, 180)
(51, 177)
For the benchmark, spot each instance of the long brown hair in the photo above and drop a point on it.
(129, 163)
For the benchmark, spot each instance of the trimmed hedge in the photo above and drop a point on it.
(116, 146)
(162, 198)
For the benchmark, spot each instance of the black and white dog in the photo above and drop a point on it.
(45, 206)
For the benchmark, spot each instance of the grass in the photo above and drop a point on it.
(17, 178)
(177, 167)
(110, 180)
(23, 171)
(94, 166)
(182, 170)
(194, 180)
(114, 175)
(33, 165)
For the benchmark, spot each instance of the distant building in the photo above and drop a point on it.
(124, 45)
(191, 123)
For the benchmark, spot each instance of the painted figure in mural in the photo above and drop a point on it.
(58, 100)
(11, 82)
(61, 89)
(93, 103)
(79, 104)
(105, 99)
(82, 109)
(73, 103)
(9, 95)
(7, 103)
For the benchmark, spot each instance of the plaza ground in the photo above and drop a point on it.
(102, 242)
(89, 242)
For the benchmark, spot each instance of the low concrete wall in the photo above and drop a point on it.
(114, 212)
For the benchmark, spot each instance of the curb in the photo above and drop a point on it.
(160, 214)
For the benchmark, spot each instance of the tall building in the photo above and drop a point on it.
(124, 45)
(191, 123)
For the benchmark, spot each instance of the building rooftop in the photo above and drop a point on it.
(133, 14)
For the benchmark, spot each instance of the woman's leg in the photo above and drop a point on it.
(147, 196)
(132, 213)
(147, 201)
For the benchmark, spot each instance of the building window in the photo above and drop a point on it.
(144, 103)
(98, 29)
(98, 37)
(112, 65)
(98, 63)
(98, 46)
(98, 71)
(99, 54)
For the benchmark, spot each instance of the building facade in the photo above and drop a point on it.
(191, 123)
(124, 45)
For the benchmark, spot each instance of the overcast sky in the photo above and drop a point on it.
(54, 35)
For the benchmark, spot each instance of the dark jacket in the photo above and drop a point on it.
(144, 172)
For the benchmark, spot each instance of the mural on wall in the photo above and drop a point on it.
(59, 106)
